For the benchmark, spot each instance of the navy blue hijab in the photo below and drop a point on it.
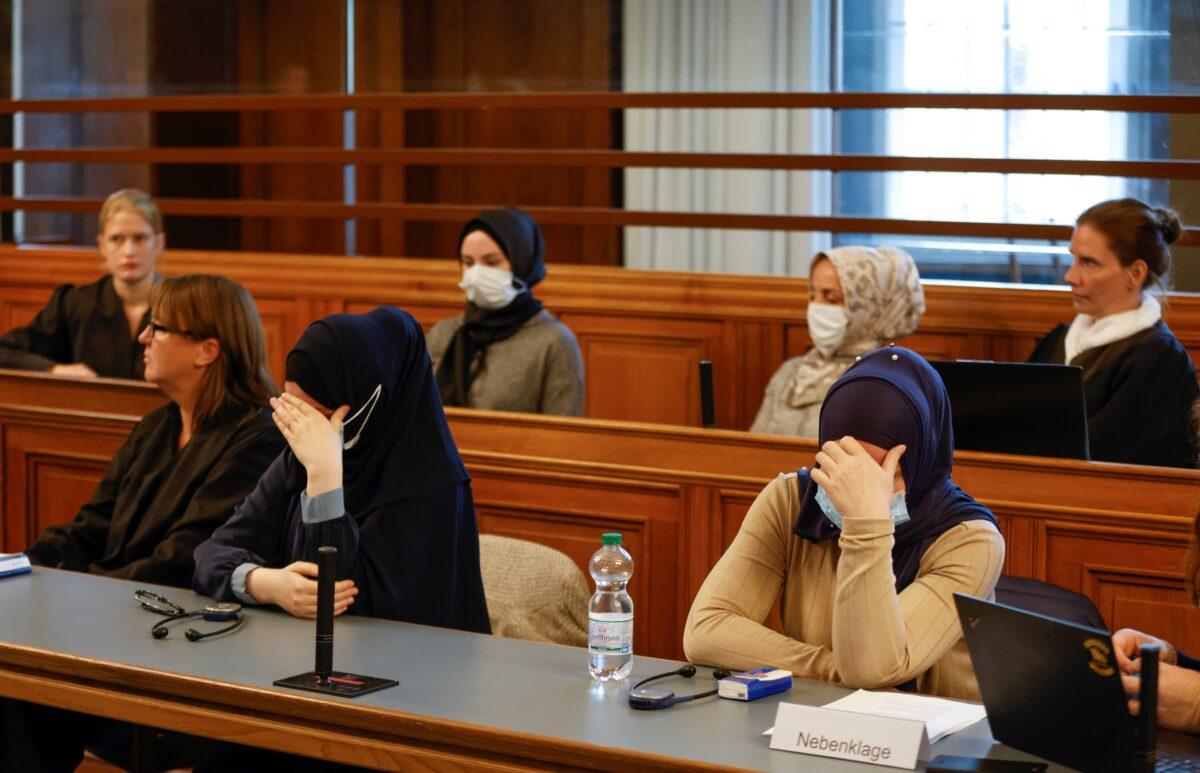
(893, 397)
(406, 450)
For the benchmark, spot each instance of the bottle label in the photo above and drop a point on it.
(610, 633)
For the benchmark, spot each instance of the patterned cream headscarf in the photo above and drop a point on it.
(884, 301)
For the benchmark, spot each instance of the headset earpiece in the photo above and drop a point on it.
(159, 632)
(193, 635)
(689, 670)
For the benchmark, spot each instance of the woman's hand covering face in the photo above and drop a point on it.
(857, 485)
(315, 440)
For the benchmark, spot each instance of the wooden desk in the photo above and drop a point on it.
(1117, 533)
(641, 333)
(80, 642)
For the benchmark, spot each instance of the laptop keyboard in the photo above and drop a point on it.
(1170, 764)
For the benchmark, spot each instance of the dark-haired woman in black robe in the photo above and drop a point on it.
(387, 488)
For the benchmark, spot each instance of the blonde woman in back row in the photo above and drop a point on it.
(858, 299)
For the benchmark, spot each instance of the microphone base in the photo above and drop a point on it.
(339, 683)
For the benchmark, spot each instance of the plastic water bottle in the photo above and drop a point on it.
(610, 613)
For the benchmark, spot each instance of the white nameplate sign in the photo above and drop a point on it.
(897, 743)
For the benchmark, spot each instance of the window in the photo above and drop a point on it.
(1002, 46)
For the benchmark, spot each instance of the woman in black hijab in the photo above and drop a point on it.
(385, 486)
(868, 549)
(505, 352)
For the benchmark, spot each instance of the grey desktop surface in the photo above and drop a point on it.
(540, 689)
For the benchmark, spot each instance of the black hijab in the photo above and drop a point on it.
(406, 450)
(520, 239)
(893, 397)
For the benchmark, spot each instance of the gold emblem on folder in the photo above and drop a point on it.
(1101, 654)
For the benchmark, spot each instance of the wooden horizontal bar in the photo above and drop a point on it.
(1169, 169)
(1133, 103)
(588, 216)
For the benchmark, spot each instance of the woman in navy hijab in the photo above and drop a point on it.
(868, 548)
(372, 470)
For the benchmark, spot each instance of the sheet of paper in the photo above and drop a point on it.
(941, 716)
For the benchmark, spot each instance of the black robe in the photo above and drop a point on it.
(415, 560)
(156, 503)
(1139, 393)
(80, 324)
(406, 533)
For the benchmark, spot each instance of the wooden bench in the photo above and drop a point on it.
(642, 333)
(1117, 533)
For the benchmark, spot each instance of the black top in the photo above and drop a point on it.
(80, 324)
(157, 502)
(406, 533)
(416, 561)
(1139, 393)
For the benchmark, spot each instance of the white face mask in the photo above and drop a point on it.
(489, 288)
(827, 325)
(372, 401)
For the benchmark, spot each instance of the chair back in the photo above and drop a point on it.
(533, 592)
(1050, 600)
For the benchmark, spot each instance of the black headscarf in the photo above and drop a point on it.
(888, 398)
(406, 449)
(520, 238)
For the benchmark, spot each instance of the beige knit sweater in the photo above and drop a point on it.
(842, 618)
(538, 369)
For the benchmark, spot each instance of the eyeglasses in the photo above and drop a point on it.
(155, 327)
(157, 603)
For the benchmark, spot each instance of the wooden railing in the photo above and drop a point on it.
(1177, 169)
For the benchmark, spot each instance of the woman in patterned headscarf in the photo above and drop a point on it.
(858, 299)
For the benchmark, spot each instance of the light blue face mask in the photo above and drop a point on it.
(897, 508)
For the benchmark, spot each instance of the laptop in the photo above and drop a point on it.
(1053, 689)
(1016, 408)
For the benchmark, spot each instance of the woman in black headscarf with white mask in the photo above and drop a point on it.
(868, 548)
(372, 470)
(505, 352)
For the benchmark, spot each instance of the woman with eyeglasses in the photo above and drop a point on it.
(186, 465)
(92, 330)
(370, 469)
(181, 473)
(505, 352)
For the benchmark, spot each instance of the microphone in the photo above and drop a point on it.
(326, 577)
(323, 678)
(707, 410)
(1147, 719)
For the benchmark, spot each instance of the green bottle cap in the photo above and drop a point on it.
(612, 538)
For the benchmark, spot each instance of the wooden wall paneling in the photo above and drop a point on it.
(1144, 600)
(755, 351)
(645, 370)
(569, 512)
(51, 465)
(283, 320)
(19, 305)
(427, 315)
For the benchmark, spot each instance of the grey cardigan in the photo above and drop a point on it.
(538, 369)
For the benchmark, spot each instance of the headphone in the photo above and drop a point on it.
(213, 612)
(653, 698)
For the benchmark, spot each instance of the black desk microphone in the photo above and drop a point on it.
(1146, 732)
(326, 577)
(323, 678)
